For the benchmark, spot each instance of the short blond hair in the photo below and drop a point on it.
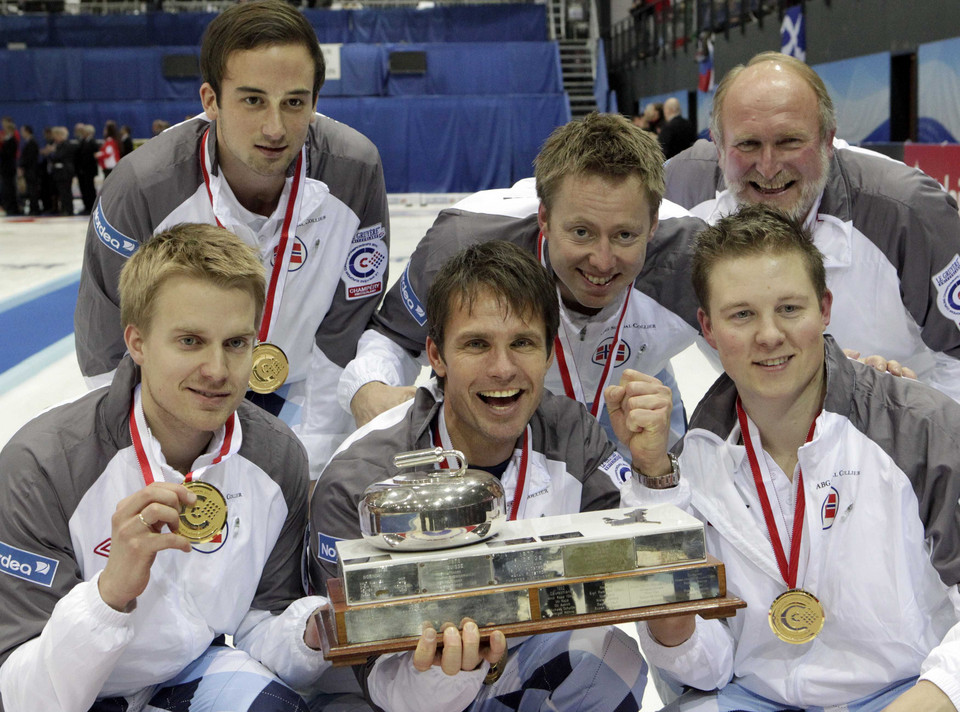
(827, 115)
(204, 252)
(605, 145)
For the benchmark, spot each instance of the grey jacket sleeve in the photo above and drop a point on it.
(118, 226)
(58, 640)
(694, 176)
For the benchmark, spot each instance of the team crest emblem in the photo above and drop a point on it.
(947, 283)
(298, 255)
(829, 508)
(602, 353)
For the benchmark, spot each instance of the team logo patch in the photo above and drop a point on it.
(110, 236)
(327, 548)
(366, 266)
(103, 548)
(410, 299)
(947, 283)
(617, 469)
(602, 353)
(27, 565)
(298, 255)
(374, 232)
(828, 510)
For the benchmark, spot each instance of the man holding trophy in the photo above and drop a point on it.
(493, 315)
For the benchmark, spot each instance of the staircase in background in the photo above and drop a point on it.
(572, 25)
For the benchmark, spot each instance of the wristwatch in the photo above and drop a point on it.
(671, 479)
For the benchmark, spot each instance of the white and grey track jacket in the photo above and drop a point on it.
(891, 238)
(61, 477)
(336, 277)
(881, 544)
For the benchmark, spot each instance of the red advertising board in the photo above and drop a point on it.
(940, 162)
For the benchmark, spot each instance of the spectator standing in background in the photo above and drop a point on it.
(28, 166)
(126, 141)
(61, 165)
(677, 133)
(85, 165)
(109, 152)
(8, 168)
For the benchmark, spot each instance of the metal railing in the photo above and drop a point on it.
(660, 28)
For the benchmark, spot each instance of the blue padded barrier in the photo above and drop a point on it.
(136, 73)
(427, 143)
(522, 22)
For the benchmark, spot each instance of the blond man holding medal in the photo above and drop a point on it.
(831, 491)
(147, 520)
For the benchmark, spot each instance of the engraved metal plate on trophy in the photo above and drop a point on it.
(350, 633)
(525, 552)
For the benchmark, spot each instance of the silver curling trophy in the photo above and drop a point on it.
(437, 548)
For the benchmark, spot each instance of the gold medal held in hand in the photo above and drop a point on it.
(206, 518)
(796, 616)
(270, 368)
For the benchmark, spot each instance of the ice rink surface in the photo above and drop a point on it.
(38, 256)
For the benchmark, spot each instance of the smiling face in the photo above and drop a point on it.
(771, 149)
(597, 233)
(263, 113)
(767, 324)
(195, 360)
(493, 365)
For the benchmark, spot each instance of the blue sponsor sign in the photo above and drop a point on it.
(327, 548)
(27, 566)
(410, 298)
(110, 236)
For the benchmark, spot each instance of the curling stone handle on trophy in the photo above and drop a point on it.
(431, 456)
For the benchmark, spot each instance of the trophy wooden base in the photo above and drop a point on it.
(543, 608)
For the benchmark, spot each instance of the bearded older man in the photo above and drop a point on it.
(890, 234)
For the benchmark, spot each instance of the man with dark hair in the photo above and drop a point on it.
(307, 192)
(145, 521)
(890, 233)
(619, 259)
(831, 494)
(493, 315)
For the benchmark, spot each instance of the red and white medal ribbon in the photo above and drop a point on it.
(291, 219)
(788, 570)
(569, 374)
(441, 438)
(138, 424)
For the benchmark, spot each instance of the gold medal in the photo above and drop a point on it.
(270, 368)
(205, 519)
(796, 616)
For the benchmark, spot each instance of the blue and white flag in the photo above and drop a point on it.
(793, 33)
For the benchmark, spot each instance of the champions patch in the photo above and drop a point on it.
(374, 232)
(947, 283)
(110, 236)
(366, 265)
(410, 299)
(327, 548)
(602, 353)
(298, 255)
(27, 566)
(617, 469)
